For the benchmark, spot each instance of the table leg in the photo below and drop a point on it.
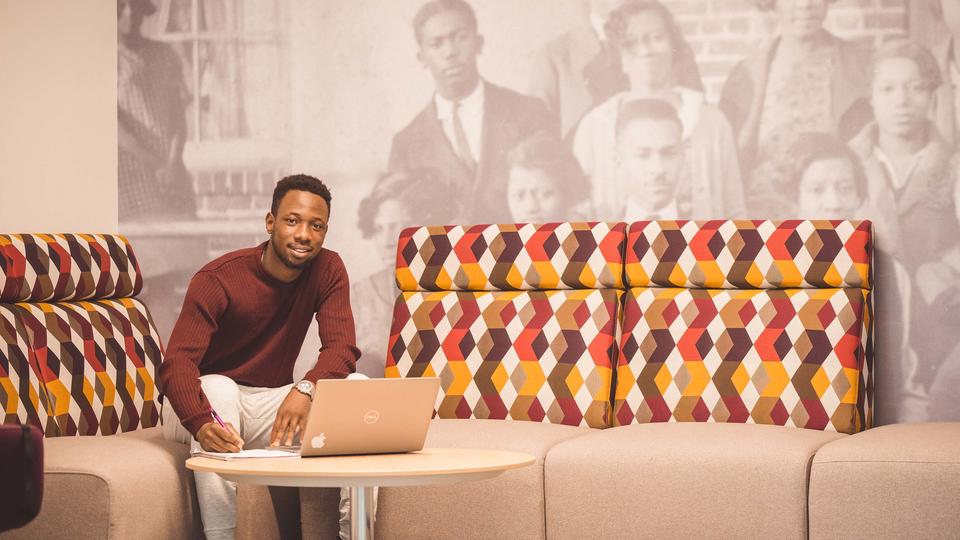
(362, 513)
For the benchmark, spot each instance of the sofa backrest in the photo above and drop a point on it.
(747, 321)
(518, 321)
(80, 351)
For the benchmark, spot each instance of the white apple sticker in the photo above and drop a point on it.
(318, 441)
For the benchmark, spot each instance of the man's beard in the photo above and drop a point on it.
(281, 254)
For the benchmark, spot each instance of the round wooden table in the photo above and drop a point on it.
(362, 473)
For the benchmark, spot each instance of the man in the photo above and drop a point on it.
(946, 48)
(469, 126)
(233, 349)
(649, 159)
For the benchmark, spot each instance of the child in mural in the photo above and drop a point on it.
(545, 183)
(827, 181)
(649, 156)
(911, 184)
(804, 80)
(398, 199)
(651, 48)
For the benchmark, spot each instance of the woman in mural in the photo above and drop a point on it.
(398, 199)
(804, 80)
(827, 181)
(545, 183)
(651, 47)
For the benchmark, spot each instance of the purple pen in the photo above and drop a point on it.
(217, 418)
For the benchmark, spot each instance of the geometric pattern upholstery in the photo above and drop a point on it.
(544, 356)
(741, 254)
(21, 396)
(59, 267)
(511, 257)
(791, 357)
(97, 362)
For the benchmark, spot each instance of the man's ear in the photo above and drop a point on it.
(269, 222)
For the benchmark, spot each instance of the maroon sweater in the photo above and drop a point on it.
(241, 322)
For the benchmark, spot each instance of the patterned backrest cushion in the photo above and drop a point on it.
(747, 321)
(739, 254)
(60, 267)
(22, 397)
(97, 362)
(511, 257)
(524, 355)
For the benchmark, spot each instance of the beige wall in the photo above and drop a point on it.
(58, 120)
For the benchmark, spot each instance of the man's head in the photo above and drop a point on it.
(297, 224)
(446, 32)
(649, 151)
(904, 78)
(130, 14)
(544, 180)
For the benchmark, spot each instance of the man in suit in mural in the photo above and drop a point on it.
(470, 124)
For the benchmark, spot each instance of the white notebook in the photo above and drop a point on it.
(246, 454)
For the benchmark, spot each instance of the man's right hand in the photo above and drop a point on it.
(214, 438)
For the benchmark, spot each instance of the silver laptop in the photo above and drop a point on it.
(369, 416)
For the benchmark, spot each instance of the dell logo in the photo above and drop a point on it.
(371, 417)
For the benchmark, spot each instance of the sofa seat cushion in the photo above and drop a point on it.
(895, 481)
(682, 480)
(508, 506)
(115, 487)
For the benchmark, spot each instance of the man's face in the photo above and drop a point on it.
(391, 217)
(899, 98)
(801, 18)
(533, 197)
(649, 158)
(828, 190)
(449, 46)
(299, 228)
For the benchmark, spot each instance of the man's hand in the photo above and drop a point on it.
(214, 438)
(291, 418)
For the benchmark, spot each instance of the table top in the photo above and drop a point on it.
(428, 466)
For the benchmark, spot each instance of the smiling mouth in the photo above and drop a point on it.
(300, 251)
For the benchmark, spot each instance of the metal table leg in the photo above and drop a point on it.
(362, 513)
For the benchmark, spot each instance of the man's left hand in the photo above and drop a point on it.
(291, 418)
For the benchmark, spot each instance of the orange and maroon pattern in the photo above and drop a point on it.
(59, 267)
(97, 362)
(22, 398)
(740, 254)
(543, 356)
(511, 257)
(789, 357)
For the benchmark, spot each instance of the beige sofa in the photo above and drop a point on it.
(665, 479)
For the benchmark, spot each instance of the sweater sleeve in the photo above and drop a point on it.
(179, 374)
(338, 351)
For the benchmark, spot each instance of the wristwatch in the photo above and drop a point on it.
(305, 387)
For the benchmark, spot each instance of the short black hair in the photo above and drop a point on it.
(647, 109)
(299, 182)
(819, 146)
(439, 6)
